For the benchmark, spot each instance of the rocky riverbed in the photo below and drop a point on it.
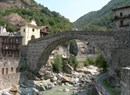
(76, 83)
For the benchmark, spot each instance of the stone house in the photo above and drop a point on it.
(85, 50)
(9, 65)
(10, 44)
(121, 17)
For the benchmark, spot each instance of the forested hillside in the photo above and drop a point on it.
(101, 19)
(41, 14)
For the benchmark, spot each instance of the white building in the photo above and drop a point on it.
(30, 31)
(3, 29)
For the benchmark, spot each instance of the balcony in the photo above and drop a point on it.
(124, 25)
(120, 17)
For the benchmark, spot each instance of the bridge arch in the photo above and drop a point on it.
(40, 49)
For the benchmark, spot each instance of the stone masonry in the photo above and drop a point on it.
(40, 49)
(125, 81)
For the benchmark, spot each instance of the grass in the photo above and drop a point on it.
(113, 90)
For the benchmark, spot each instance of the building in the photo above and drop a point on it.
(10, 43)
(121, 17)
(85, 50)
(31, 31)
(9, 65)
(43, 31)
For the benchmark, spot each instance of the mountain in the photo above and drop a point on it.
(15, 13)
(6, 4)
(101, 19)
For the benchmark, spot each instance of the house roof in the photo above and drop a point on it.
(43, 27)
(33, 26)
(125, 7)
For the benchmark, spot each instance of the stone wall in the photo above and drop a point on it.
(8, 80)
(125, 81)
(9, 65)
(40, 49)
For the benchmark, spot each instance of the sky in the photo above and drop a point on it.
(73, 9)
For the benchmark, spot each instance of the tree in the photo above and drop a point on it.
(58, 64)
(73, 48)
(73, 61)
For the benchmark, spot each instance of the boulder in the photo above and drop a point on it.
(36, 92)
(66, 90)
(66, 79)
(5, 93)
(25, 91)
(40, 87)
(14, 88)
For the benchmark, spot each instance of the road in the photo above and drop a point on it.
(101, 86)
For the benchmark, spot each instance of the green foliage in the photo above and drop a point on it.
(98, 61)
(101, 62)
(58, 63)
(44, 16)
(73, 61)
(89, 61)
(10, 27)
(73, 48)
(65, 61)
(101, 19)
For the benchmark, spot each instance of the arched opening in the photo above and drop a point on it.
(47, 52)
(68, 64)
(32, 37)
(77, 54)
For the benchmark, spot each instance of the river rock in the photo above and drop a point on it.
(36, 92)
(13, 88)
(66, 90)
(5, 93)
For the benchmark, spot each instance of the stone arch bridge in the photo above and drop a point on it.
(110, 43)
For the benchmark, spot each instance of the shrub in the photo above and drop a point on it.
(73, 61)
(58, 64)
(101, 62)
(89, 61)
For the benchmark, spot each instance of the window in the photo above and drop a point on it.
(6, 70)
(12, 69)
(33, 29)
(121, 23)
(23, 30)
(2, 71)
(17, 70)
(121, 14)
